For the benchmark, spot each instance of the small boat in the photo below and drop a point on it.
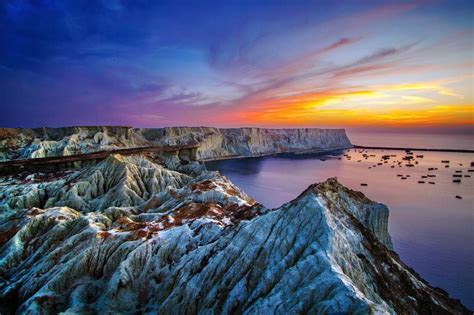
(456, 175)
(363, 184)
(447, 166)
(421, 182)
(400, 175)
(470, 171)
(456, 180)
(404, 178)
(419, 156)
(410, 165)
(458, 197)
(444, 161)
(458, 171)
(431, 169)
(432, 183)
(424, 176)
(467, 175)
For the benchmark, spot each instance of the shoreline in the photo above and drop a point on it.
(412, 149)
(299, 152)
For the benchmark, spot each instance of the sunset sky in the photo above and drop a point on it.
(351, 64)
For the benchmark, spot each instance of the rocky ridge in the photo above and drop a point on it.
(140, 235)
(213, 142)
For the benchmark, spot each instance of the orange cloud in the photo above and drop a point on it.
(438, 116)
(397, 105)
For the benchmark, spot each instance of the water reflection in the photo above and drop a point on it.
(249, 166)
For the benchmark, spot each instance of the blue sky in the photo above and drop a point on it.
(237, 63)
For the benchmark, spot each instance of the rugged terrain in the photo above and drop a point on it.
(152, 234)
(213, 142)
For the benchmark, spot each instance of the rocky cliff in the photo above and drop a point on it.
(138, 235)
(46, 142)
(213, 142)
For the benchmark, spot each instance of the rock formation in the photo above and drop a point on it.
(139, 235)
(220, 143)
(213, 142)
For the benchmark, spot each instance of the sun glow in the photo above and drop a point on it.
(403, 105)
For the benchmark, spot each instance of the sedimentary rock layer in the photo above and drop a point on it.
(214, 142)
(133, 235)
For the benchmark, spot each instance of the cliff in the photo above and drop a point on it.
(220, 143)
(214, 142)
(133, 234)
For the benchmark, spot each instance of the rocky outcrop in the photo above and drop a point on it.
(148, 237)
(116, 181)
(46, 142)
(372, 214)
(213, 142)
(221, 143)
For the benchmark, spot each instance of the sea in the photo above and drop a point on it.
(431, 224)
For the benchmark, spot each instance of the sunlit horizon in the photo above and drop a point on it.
(360, 66)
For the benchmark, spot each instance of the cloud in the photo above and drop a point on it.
(161, 63)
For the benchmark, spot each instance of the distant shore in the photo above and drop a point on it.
(412, 149)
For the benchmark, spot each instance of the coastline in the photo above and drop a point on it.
(355, 146)
(173, 199)
(296, 152)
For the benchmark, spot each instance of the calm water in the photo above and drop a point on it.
(413, 140)
(431, 229)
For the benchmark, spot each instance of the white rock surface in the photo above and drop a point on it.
(116, 181)
(147, 239)
(213, 142)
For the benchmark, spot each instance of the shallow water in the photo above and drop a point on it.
(431, 229)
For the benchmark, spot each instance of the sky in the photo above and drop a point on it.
(372, 65)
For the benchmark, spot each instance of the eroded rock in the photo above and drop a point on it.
(130, 235)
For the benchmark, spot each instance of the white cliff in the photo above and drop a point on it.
(16, 143)
(220, 143)
(143, 238)
(213, 142)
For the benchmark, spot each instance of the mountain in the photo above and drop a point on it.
(149, 233)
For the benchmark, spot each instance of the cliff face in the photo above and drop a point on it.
(46, 142)
(213, 142)
(132, 235)
(221, 143)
